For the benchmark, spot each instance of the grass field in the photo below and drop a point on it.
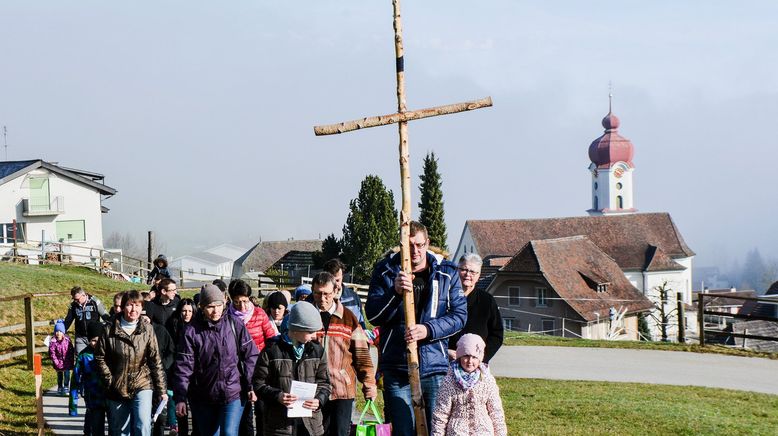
(554, 407)
(516, 338)
(18, 279)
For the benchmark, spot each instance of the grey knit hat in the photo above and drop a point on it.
(210, 294)
(304, 317)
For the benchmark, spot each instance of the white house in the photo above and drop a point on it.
(207, 265)
(52, 203)
(202, 267)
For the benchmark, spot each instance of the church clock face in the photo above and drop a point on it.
(618, 172)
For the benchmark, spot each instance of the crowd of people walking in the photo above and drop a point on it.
(234, 366)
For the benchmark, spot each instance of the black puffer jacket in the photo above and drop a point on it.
(275, 370)
(129, 364)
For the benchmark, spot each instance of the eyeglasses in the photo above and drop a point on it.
(419, 246)
(469, 271)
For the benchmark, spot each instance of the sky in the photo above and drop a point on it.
(201, 114)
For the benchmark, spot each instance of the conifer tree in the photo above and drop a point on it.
(371, 227)
(431, 212)
(330, 248)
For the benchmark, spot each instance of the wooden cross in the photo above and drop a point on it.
(401, 117)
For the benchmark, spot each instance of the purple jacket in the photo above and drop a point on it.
(61, 353)
(207, 365)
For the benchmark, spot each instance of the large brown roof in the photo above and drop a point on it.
(625, 238)
(263, 255)
(573, 266)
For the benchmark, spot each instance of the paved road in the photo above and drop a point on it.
(642, 366)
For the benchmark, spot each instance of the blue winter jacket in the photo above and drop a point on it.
(444, 314)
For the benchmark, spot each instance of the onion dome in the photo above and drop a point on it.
(611, 148)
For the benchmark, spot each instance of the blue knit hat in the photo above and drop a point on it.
(59, 326)
(301, 292)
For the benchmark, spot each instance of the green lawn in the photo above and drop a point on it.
(17, 279)
(556, 407)
(516, 338)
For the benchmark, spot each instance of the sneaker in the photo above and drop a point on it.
(173, 430)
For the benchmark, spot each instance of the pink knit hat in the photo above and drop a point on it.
(471, 345)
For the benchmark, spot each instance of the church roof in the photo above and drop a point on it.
(657, 260)
(625, 238)
(611, 147)
(574, 267)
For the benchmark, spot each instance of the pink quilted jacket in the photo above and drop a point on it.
(61, 353)
(477, 411)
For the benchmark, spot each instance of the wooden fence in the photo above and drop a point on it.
(705, 330)
(28, 327)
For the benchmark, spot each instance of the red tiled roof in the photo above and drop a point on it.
(625, 238)
(657, 260)
(567, 263)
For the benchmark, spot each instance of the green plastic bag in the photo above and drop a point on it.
(371, 428)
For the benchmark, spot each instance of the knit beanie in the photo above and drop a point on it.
(304, 317)
(471, 345)
(301, 292)
(276, 299)
(59, 326)
(210, 294)
(94, 329)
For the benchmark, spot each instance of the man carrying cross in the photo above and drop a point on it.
(441, 311)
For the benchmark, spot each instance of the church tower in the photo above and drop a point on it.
(611, 155)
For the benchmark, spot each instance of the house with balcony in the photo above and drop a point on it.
(44, 201)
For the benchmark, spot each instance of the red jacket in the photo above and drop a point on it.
(260, 328)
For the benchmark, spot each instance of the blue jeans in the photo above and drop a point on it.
(398, 407)
(218, 419)
(63, 379)
(131, 417)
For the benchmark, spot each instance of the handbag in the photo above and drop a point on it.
(371, 428)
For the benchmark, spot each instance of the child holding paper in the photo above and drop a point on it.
(294, 357)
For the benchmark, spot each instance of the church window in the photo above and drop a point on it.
(619, 185)
(596, 203)
(620, 202)
(595, 186)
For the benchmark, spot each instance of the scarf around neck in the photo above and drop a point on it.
(245, 317)
(297, 347)
(464, 379)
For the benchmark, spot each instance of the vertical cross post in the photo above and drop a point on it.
(402, 117)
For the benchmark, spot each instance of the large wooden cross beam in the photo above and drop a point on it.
(402, 117)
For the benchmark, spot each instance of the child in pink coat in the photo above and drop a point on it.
(61, 353)
(469, 401)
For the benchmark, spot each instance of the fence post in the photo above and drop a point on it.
(181, 276)
(29, 332)
(681, 318)
(150, 253)
(37, 371)
(700, 315)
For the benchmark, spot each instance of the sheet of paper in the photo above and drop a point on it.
(303, 391)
